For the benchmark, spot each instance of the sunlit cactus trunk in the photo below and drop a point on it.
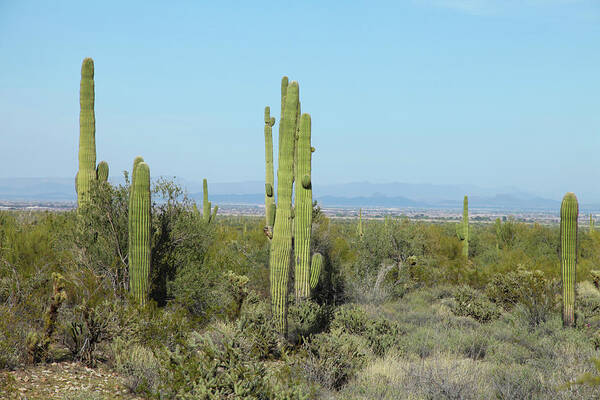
(281, 245)
(360, 227)
(87, 134)
(206, 205)
(303, 210)
(569, 212)
(462, 228)
(139, 234)
(136, 161)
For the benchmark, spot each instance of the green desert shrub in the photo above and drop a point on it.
(472, 303)
(380, 333)
(332, 359)
(201, 368)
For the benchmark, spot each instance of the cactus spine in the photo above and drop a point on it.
(569, 212)
(303, 210)
(87, 134)
(462, 228)
(269, 175)
(281, 245)
(206, 205)
(139, 234)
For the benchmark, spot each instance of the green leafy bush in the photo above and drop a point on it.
(471, 303)
(380, 334)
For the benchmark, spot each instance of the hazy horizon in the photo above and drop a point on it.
(475, 92)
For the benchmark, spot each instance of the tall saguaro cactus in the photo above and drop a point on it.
(87, 133)
(303, 209)
(269, 174)
(290, 228)
(206, 205)
(592, 223)
(139, 234)
(281, 245)
(569, 212)
(462, 228)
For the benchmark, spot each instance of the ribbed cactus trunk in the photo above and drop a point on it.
(462, 228)
(281, 245)
(269, 174)
(569, 212)
(206, 205)
(139, 234)
(136, 161)
(303, 210)
(360, 227)
(87, 134)
(315, 270)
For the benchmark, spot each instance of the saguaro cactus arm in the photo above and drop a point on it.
(102, 171)
(315, 270)
(269, 174)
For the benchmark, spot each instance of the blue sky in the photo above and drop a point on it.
(488, 92)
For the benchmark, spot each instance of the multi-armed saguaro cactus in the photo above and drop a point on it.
(295, 155)
(462, 228)
(139, 233)
(87, 133)
(206, 205)
(88, 171)
(569, 212)
(269, 174)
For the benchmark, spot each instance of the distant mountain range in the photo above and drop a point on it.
(358, 194)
